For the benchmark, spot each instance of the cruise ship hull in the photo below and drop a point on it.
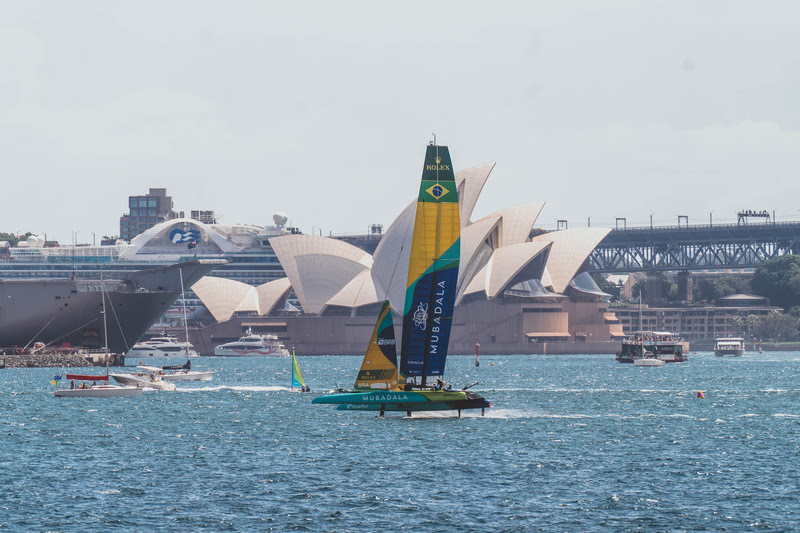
(65, 311)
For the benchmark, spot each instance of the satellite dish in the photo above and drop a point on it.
(280, 219)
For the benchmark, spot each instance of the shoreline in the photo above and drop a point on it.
(56, 360)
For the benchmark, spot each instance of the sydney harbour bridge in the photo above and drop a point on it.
(684, 248)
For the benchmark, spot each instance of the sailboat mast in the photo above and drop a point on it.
(185, 323)
(641, 332)
(105, 322)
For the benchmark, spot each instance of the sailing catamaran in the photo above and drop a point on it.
(430, 297)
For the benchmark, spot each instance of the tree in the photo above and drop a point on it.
(711, 289)
(13, 239)
(779, 280)
(777, 327)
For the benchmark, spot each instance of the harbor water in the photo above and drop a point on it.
(572, 443)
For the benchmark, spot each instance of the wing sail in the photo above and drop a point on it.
(432, 270)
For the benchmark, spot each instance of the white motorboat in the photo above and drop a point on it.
(148, 377)
(185, 373)
(94, 390)
(164, 347)
(729, 346)
(648, 361)
(252, 344)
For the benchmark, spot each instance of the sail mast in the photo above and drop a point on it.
(185, 322)
(105, 322)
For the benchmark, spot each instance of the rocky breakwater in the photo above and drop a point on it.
(58, 359)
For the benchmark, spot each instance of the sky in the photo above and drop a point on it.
(322, 110)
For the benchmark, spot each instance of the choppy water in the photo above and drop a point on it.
(573, 443)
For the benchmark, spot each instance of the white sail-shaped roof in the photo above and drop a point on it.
(327, 266)
(222, 296)
(360, 291)
(470, 183)
(323, 277)
(509, 266)
(478, 241)
(516, 263)
(271, 294)
(390, 267)
(249, 303)
(570, 249)
(517, 222)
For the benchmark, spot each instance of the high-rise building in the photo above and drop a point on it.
(145, 212)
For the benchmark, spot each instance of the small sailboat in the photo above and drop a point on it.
(94, 390)
(297, 376)
(430, 297)
(184, 372)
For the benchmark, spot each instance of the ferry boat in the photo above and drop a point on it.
(253, 344)
(729, 346)
(662, 345)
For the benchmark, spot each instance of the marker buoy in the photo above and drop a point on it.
(700, 394)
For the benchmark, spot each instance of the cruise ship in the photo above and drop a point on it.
(66, 311)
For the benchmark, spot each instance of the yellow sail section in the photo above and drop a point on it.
(436, 228)
(379, 367)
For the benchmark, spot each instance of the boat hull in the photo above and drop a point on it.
(256, 352)
(667, 352)
(142, 382)
(648, 362)
(735, 352)
(100, 391)
(67, 311)
(426, 400)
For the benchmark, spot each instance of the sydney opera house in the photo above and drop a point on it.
(520, 290)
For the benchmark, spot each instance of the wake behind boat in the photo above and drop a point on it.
(430, 297)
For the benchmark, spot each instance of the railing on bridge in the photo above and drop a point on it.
(693, 247)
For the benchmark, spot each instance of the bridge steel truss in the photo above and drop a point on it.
(693, 247)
